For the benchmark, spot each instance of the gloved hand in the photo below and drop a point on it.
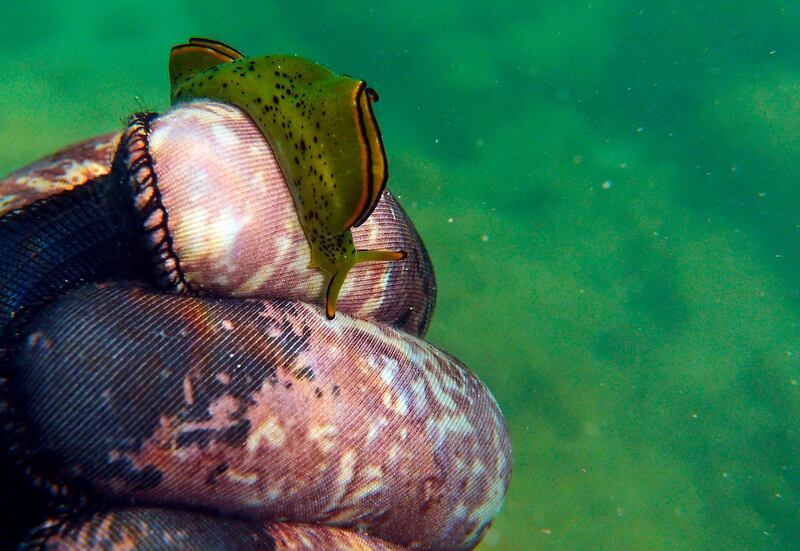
(171, 380)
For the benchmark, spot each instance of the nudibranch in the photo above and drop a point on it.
(324, 134)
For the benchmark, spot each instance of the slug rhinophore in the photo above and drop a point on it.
(323, 132)
(208, 422)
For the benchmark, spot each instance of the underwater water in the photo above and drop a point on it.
(609, 194)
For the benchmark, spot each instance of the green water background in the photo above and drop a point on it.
(609, 193)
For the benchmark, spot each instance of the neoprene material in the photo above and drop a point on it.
(50, 247)
(81, 236)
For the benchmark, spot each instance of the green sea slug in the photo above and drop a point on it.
(322, 130)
